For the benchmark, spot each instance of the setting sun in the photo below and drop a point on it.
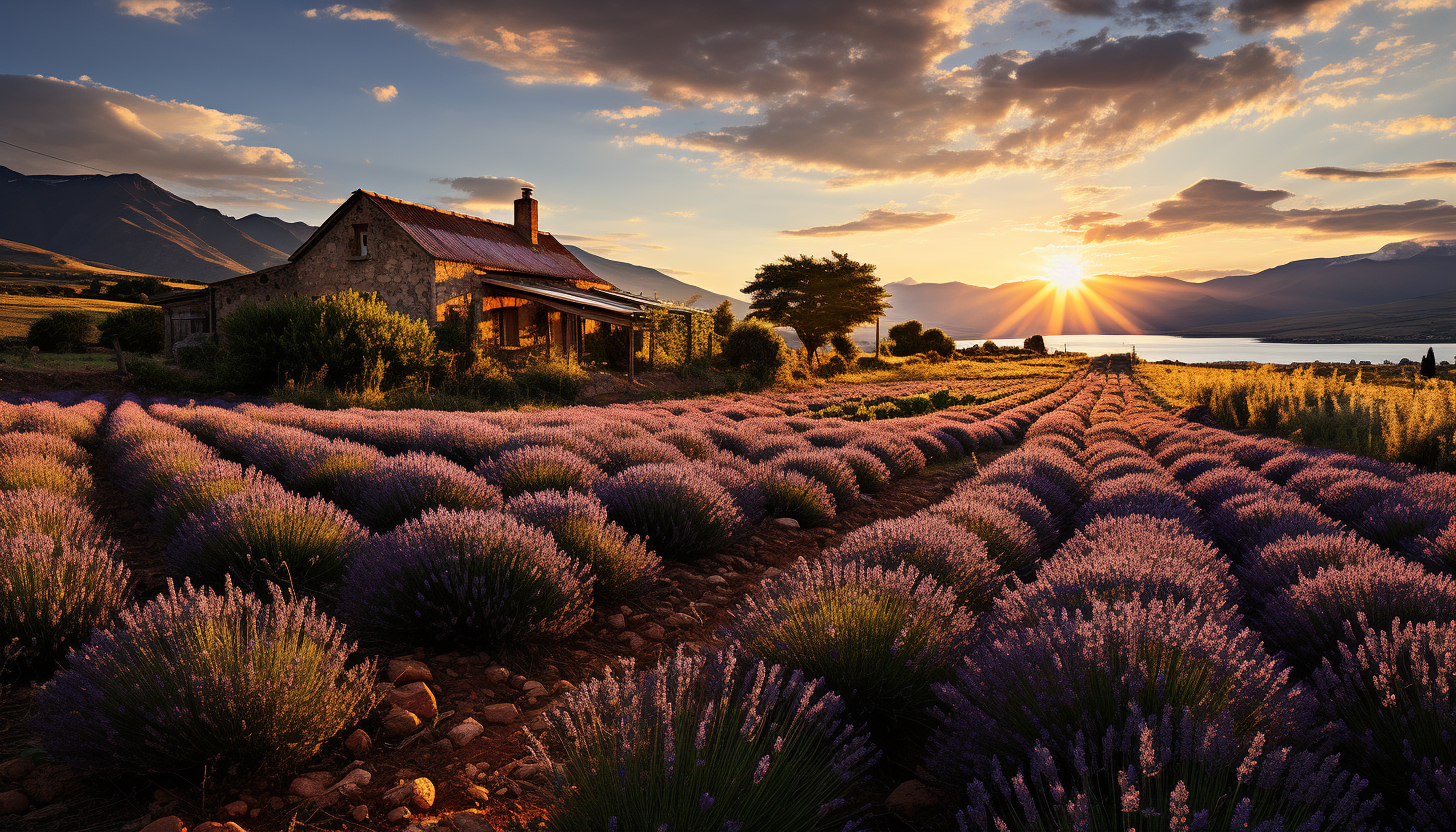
(1065, 273)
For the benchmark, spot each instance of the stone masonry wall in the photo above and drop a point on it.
(397, 268)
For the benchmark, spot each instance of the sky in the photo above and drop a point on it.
(941, 140)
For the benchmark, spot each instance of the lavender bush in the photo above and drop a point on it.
(266, 535)
(623, 567)
(794, 495)
(19, 473)
(318, 470)
(539, 468)
(898, 454)
(32, 443)
(617, 456)
(827, 468)
(1392, 691)
(195, 678)
(1275, 566)
(465, 577)
(934, 546)
(53, 592)
(679, 510)
(37, 511)
(1010, 542)
(1308, 619)
(881, 637)
(870, 474)
(401, 487)
(718, 742)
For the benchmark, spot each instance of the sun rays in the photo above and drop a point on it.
(1064, 303)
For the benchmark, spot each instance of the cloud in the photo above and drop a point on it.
(1213, 204)
(483, 192)
(1086, 218)
(343, 12)
(629, 112)
(611, 243)
(679, 214)
(1435, 169)
(1410, 126)
(169, 11)
(108, 128)
(861, 89)
(383, 94)
(880, 219)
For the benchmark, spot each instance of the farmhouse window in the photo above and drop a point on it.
(508, 324)
(361, 241)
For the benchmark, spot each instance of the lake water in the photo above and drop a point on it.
(1200, 350)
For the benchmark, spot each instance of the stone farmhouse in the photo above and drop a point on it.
(517, 286)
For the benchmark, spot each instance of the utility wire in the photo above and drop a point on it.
(57, 158)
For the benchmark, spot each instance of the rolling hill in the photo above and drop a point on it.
(129, 221)
(651, 282)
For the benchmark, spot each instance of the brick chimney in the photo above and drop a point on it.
(526, 216)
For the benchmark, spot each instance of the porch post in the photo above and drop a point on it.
(632, 353)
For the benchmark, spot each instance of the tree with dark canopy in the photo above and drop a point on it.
(1428, 364)
(816, 297)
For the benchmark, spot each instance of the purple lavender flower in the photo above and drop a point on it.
(539, 468)
(37, 511)
(458, 577)
(934, 546)
(622, 565)
(194, 676)
(55, 592)
(679, 510)
(402, 487)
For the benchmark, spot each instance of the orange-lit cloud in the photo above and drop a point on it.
(1436, 169)
(383, 94)
(483, 193)
(1224, 204)
(859, 91)
(168, 11)
(879, 219)
(116, 130)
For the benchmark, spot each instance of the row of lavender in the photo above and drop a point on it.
(827, 667)
(1128, 685)
(457, 556)
(62, 575)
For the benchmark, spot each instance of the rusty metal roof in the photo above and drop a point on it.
(485, 244)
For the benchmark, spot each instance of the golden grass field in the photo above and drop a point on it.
(17, 312)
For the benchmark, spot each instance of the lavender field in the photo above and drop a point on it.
(1005, 605)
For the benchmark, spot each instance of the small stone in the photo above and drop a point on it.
(525, 771)
(17, 769)
(533, 688)
(496, 675)
(469, 822)
(616, 622)
(400, 723)
(310, 785)
(398, 814)
(538, 724)
(360, 813)
(405, 671)
(419, 793)
(358, 777)
(479, 794)
(635, 643)
(470, 770)
(517, 680)
(717, 580)
(654, 632)
(358, 743)
(236, 809)
(464, 733)
(171, 823)
(441, 746)
(911, 798)
(416, 698)
(678, 619)
(772, 572)
(277, 804)
(787, 521)
(500, 714)
(13, 802)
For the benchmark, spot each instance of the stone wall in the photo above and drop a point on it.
(401, 272)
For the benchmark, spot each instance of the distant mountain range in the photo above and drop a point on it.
(129, 221)
(1404, 291)
(1263, 304)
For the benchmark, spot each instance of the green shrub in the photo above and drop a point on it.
(139, 329)
(755, 347)
(905, 338)
(202, 357)
(553, 379)
(61, 331)
(346, 340)
(845, 348)
(195, 679)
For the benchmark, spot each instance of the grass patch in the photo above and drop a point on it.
(18, 312)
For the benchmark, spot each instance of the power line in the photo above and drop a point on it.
(57, 158)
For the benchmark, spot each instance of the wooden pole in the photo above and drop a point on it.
(120, 356)
(877, 336)
(631, 353)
